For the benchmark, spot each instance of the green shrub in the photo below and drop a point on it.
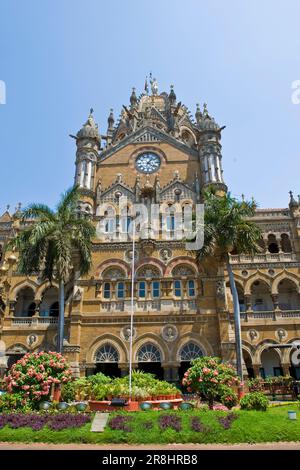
(13, 402)
(68, 391)
(254, 401)
(98, 378)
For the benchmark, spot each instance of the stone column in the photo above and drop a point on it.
(275, 301)
(256, 370)
(286, 368)
(12, 307)
(124, 368)
(248, 302)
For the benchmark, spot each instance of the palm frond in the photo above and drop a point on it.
(38, 211)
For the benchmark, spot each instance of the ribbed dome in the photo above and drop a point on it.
(89, 130)
(208, 124)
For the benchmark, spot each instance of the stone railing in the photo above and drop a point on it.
(274, 315)
(31, 322)
(263, 258)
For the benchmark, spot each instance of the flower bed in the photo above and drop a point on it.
(36, 422)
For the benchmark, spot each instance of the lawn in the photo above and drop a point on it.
(144, 428)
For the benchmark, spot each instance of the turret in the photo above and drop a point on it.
(210, 150)
(88, 143)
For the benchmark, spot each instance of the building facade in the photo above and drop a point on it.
(156, 157)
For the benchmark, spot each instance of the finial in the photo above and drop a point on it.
(243, 197)
(198, 114)
(91, 110)
(205, 111)
(146, 87)
(172, 96)
(293, 202)
(7, 207)
(133, 98)
(111, 119)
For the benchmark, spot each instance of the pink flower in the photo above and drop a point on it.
(205, 370)
(200, 380)
(215, 372)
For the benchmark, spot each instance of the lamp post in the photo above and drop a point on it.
(132, 308)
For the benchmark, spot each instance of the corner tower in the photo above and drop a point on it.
(88, 142)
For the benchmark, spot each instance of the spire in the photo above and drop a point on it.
(198, 114)
(111, 120)
(205, 111)
(133, 98)
(293, 202)
(172, 96)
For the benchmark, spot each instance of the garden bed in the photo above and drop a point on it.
(194, 426)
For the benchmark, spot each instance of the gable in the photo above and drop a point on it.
(147, 135)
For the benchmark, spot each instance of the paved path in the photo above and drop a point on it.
(169, 447)
(99, 422)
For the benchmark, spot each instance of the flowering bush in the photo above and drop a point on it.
(207, 376)
(228, 397)
(33, 375)
(38, 421)
(226, 421)
(198, 426)
(120, 423)
(170, 421)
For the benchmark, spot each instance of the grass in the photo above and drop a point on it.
(250, 426)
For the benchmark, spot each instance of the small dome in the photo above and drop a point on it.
(90, 129)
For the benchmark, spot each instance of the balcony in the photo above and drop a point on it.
(41, 323)
(275, 315)
(263, 258)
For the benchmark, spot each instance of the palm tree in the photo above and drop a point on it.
(227, 227)
(56, 244)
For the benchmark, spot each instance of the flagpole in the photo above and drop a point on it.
(132, 308)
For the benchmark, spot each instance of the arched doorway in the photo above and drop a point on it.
(270, 363)
(248, 364)
(295, 368)
(288, 297)
(187, 353)
(149, 360)
(107, 359)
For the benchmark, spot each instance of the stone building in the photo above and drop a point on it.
(156, 154)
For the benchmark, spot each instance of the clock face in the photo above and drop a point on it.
(147, 162)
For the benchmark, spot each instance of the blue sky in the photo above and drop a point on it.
(60, 57)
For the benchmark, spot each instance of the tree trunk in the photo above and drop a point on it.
(61, 318)
(237, 321)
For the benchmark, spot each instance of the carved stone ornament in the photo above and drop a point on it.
(128, 255)
(125, 332)
(220, 289)
(253, 335)
(281, 334)
(165, 254)
(32, 339)
(169, 333)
